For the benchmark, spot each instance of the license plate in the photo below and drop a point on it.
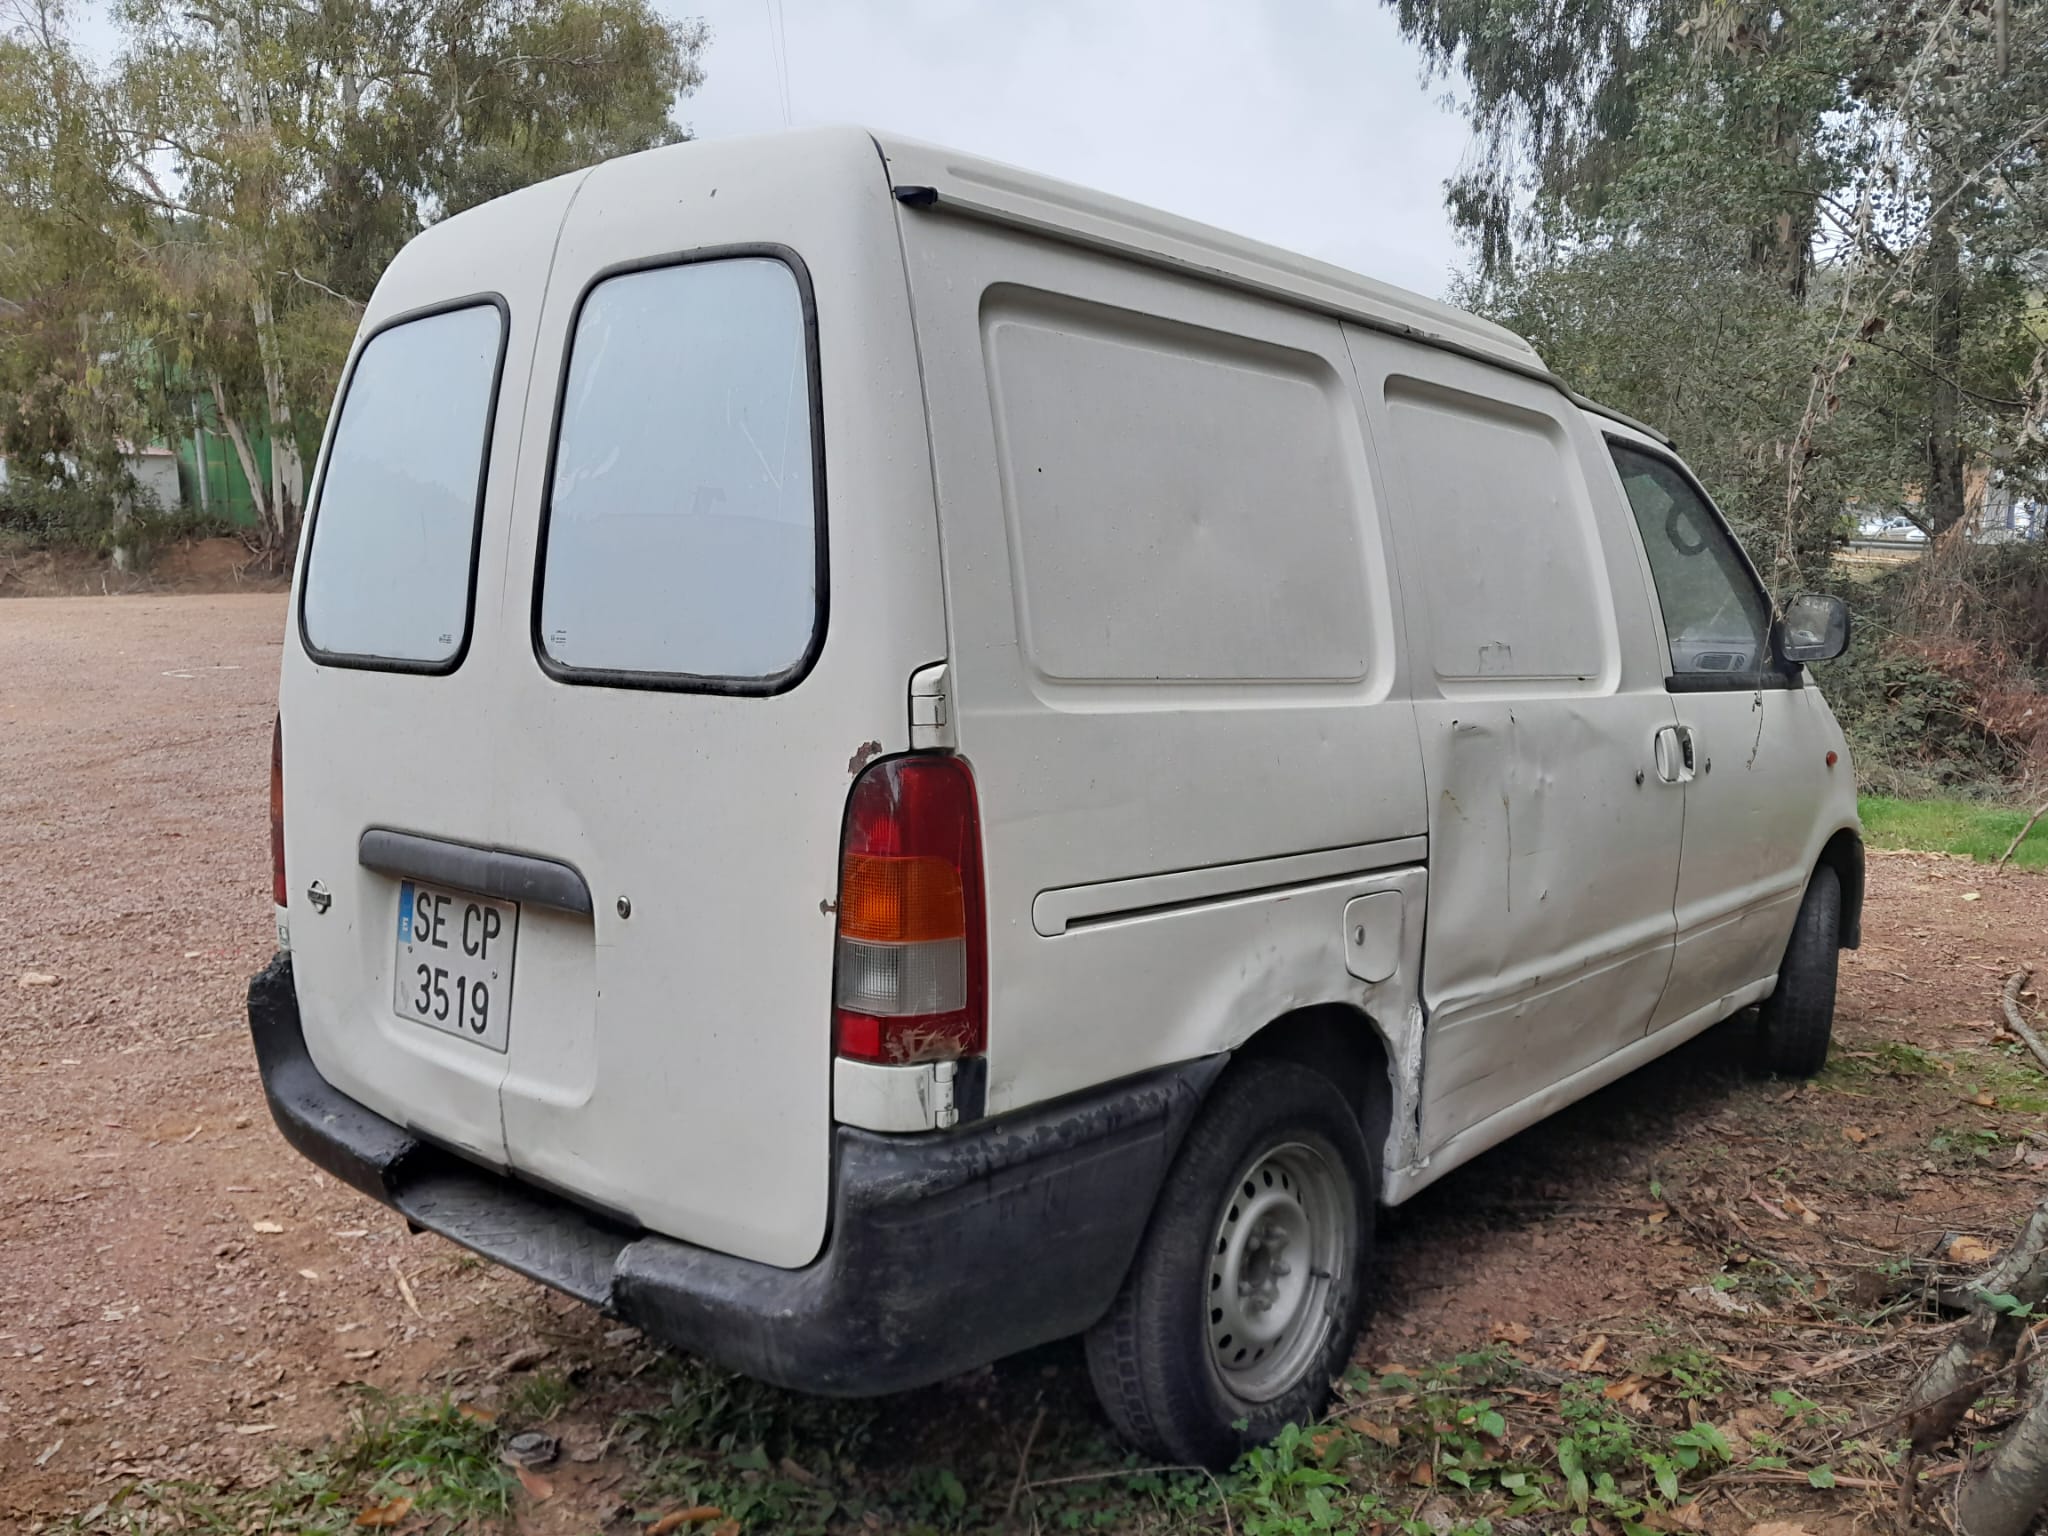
(454, 965)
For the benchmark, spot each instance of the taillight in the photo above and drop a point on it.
(277, 890)
(912, 965)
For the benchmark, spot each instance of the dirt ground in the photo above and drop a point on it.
(190, 565)
(186, 1298)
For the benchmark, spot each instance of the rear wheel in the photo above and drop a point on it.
(1797, 1021)
(1248, 1290)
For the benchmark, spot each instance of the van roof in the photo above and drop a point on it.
(926, 173)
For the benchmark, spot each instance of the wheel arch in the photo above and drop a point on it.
(1843, 853)
(1348, 1046)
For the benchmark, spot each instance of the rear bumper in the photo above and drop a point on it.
(947, 1250)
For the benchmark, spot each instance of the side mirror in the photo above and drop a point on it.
(1815, 627)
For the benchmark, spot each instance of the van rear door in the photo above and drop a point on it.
(389, 682)
(696, 658)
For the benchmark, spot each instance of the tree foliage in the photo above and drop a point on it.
(203, 216)
(1811, 239)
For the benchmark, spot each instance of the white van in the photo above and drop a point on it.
(884, 760)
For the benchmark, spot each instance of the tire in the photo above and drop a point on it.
(1796, 1022)
(1178, 1363)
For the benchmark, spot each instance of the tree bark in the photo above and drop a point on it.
(287, 474)
(247, 459)
(1945, 502)
(2003, 1498)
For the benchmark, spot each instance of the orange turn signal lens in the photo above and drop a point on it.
(893, 899)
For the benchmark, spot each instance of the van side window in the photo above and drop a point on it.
(391, 566)
(1516, 590)
(1716, 618)
(681, 539)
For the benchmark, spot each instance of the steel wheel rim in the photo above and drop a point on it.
(1281, 1247)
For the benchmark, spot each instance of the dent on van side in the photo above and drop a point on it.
(882, 760)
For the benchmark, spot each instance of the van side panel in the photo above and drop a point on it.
(1173, 643)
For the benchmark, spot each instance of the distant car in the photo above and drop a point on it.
(1898, 529)
(1025, 765)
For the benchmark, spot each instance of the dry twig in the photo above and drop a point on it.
(2020, 837)
(2010, 1000)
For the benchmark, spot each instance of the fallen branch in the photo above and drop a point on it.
(2003, 1497)
(2010, 999)
(2020, 837)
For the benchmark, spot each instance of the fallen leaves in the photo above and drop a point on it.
(1719, 1301)
(1806, 1213)
(1388, 1435)
(1510, 1333)
(1778, 1528)
(675, 1519)
(1628, 1394)
(1593, 1352)
(538, 1488)
(384, 1516)
(35, 979)
(268, 1228)
(522, 1359)
(1972, 1251)
(1855, 1134)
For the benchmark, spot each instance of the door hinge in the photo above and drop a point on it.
(931, 714)
(945, 1114)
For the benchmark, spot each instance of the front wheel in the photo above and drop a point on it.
(1248, 1290)
(1797, 1021)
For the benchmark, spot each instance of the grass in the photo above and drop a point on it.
(1976, 829)
(1480, 1440)
(425, 1465)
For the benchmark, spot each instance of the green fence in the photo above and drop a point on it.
(210, 478)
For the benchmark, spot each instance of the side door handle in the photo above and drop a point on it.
(1673, 749)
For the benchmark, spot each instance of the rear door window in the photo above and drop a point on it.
(683, 542)
(391, 571)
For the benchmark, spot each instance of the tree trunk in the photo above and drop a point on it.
(240, 441)
(287, 474)
(2003, 1498)
(1945, 504)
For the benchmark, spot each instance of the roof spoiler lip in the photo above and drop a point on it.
(1588, 403)
(924, 195)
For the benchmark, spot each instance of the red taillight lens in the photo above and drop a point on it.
(277, 890)
(912, 965)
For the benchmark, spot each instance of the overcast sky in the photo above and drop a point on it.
(1301, 122)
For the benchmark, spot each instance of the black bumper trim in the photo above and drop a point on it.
(947, 1250)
